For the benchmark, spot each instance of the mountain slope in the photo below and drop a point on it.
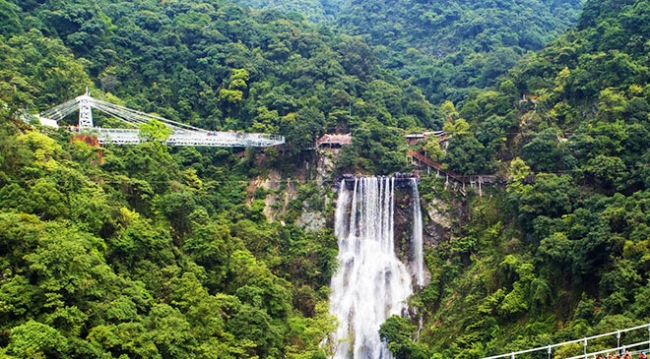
(211, 64)
(561, 250)
(151, 252)
(448, 47)
(317, 11)
(445, 47)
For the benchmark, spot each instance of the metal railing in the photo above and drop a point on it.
(618, 349)
(584, 341)
(182, 137)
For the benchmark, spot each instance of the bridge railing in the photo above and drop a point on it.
(639, 346)
(584, 341)
(183, 137)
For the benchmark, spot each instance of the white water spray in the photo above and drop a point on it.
(371, 283)
(418, 257)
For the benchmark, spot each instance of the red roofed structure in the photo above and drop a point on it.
(334, 141)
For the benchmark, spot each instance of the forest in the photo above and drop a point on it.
(154, 252)
(446, 48)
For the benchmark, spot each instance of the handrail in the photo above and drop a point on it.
(623, 347)
(583, 340)
(437, 166)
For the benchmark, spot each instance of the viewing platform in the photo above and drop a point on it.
(414, 138)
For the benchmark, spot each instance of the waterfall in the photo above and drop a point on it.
(371, 283)
(418, 257)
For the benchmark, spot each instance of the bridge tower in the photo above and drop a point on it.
(85, 111)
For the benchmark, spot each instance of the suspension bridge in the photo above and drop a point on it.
(182, 134)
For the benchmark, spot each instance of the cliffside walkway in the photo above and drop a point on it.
(182, 134)
(601, 344)
(419, 157)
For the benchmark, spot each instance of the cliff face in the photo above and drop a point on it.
(311, 188)
(301, 197)
(435, 219)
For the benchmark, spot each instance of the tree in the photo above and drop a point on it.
(396, 331)
(433, 150)
(543, 152)
(517, 173)
(466, 155)
(37, 340)
(155, 130)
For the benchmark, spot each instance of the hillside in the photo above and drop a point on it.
(561, 251)
(446, 48)
(147, 252)
(450, 47)
(156, 252)
(210, 64)
(316, 11)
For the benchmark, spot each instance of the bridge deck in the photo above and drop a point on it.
(188, 138)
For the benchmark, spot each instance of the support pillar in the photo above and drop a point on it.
(85, 113)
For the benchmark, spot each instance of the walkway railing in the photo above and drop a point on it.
(450, 174)
(584, 341)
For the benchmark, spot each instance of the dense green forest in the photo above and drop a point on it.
(210, 64)
(317, 11)
(151, 252)
(447, 48)
(562, 250)
(143, 252)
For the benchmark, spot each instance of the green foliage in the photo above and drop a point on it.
(433, 150)
(157, 253)
(450, 47)
(155, 130)
(560, 253)
(396, 331)
(377, 148)
(144, 256)
(37, 340)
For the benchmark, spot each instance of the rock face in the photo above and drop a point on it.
(437, 223)
(279, 192)
(311, 221)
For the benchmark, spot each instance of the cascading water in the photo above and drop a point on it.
(418, 259)
(371, 283)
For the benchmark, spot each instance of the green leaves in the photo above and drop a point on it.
(37, 340)
(155, 130)
(397, 331)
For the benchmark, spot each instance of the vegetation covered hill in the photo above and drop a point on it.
(211, 64)
(141, 252)
(449, 47)
(444, 47)
(317, 11)
(127, 252)
(564, 252)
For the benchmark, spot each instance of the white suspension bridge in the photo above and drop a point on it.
(182, 134)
